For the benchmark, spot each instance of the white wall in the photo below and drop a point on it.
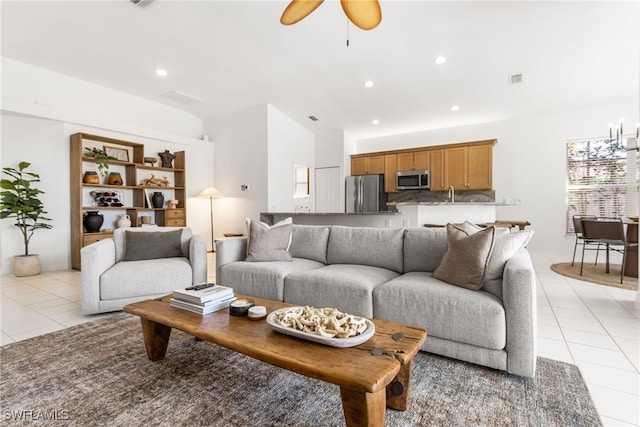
(240, 159)
(40, 109)
(257, 147)
(289, 145)
(529, 163)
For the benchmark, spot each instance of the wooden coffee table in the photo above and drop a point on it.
(369, 382)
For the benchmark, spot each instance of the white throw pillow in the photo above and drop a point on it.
(269, 242)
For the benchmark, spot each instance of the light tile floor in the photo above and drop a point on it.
(594, 327)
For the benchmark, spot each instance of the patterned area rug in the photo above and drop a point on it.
(97, 374)
(596, 274)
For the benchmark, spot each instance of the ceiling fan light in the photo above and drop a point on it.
(297, 10)
(365, 14)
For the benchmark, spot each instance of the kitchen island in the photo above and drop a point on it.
(441, 213)
(356, 219)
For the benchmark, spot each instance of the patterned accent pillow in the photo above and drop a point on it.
(467, 256)
(152, 245)
(268, 243)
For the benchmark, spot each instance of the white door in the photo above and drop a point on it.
(329, 189)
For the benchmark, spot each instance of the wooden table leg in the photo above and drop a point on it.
(362, 408)
(398, 389)
(156, 338)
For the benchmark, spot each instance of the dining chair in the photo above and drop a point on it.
(577, 226)
(609, 232)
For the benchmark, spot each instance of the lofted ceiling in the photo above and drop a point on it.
(235, 54)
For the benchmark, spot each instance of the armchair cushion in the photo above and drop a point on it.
(141, 246)
(120, 238)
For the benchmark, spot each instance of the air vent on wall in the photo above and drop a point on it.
(141, 3)
(181, 97)
(313, 118)
(515, 79)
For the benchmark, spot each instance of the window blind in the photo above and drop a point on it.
(602, 179)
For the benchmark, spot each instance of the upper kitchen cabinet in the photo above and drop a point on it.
(468, 167)
(413, 161)
(436, 170)
(367, 164)
(390, 162)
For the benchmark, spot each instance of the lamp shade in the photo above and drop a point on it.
(210, 193)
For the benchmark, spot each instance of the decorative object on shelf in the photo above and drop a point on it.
(155, 182)
(108, 198)
(363, 14)
(20, 201)
(145, 219)
(124, 221)
(101, 158)
(117, 153)
(91, 177)
(92, 221)
(173, 204)
(211, 193)
(157, 199)
(114, 178)
(167, 159)
(151, 160)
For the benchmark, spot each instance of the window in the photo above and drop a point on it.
(602, 179)
(301, 182)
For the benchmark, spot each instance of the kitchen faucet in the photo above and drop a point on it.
(452, 194)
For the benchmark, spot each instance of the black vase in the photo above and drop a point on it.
(157, 199)
(92, 221)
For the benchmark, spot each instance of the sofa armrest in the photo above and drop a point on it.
(228, 250)
(198, 258)
(520, 304)
(95, 259)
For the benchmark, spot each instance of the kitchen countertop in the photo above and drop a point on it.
(330, 213)
(451, 204)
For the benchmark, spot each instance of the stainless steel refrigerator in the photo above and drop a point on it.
(365, 194)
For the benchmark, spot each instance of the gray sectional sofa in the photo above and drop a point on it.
(387, 274)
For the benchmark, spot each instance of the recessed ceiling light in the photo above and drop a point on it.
(160, 72)
(440, 60)
(375, 121)
(455, 108)
(368, 83)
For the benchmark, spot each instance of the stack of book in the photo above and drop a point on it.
(203, 299)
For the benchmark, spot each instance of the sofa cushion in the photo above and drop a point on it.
(127, 279)
(346, 287)
(310, 242)
(506, 245)
(446, 311)
(120, 238)
(424, 248)
(268, 243)
(466, 258)
(376, 247)
(153, 245)
(262, 279)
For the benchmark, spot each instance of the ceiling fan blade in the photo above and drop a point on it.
(298, 10)
(365, 14)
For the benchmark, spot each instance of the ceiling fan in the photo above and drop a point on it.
(365, 14)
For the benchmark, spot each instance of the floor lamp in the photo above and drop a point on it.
(211, 193)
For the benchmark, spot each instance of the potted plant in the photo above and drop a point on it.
(101, 158)
(20, 201)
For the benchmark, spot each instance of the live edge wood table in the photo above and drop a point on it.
(369, 381)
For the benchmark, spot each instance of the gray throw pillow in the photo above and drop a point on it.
(269, 243)
(466, 258)
(141, 245)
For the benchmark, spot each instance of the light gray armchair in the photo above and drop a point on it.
(113, 275)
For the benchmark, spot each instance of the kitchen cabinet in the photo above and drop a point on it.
(138, 183)
(367, 165)
(436, 170)
(390, 162)
(413, 161)
(468, 167)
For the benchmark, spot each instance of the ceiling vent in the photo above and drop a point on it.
(141, 3)
(313, 118)
(515, 79)
(181, 97)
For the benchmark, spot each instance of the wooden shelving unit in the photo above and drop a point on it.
(133, 172)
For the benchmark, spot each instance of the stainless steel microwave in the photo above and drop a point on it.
(413, 180)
